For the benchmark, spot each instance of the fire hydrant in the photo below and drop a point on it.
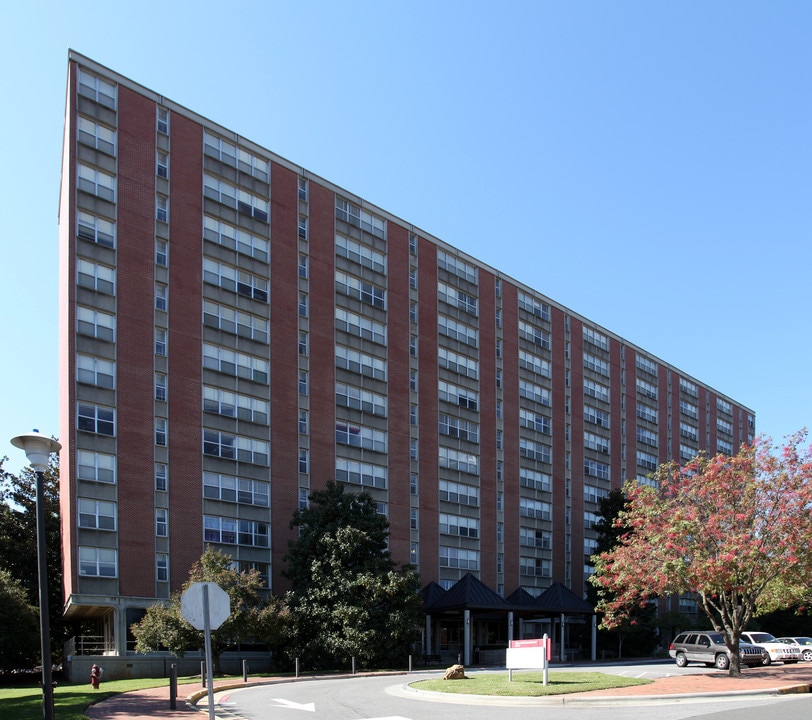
(95, 676)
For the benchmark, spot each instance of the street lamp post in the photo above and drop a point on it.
(38, 448)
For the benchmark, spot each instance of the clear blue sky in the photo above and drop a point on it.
(646, 164)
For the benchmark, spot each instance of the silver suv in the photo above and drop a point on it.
(709, 648)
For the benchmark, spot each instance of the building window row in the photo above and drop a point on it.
(235, 447)
(595, 338)
(236, 157)
(458, 460)
(457, 266)
(354, 215)
(236, 198)
(97, 136)
(360, 254)
(456, 298)
(458, 525)
(363, 291)
(364, 400)
(535, 480)
(234, 489)
(234, 321)
(458, 428)
(101, 91)
(462, 364)
(535, 509)
(644, 412)
(361, 473)
(239, 281)
(536, 393)
(534, 306)
(229, 531)
(598, 443)
(461, 558)
(230, 404)
(532, 537)
(534, 364)
(534, 421)
(237, 239)
(457, 395)
(360, 326)
(96, 229)
(458, 331)
(360, 363)
(535, 335)
(647, 389)
(360, 436)
(459, 493)
(236, 364)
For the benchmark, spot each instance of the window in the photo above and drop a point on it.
(535, 480)
(534, 451)
(646, 460)
(595, 338)
(596, 364)
(532, 537)
(95, 371)
(160, 431)
(302, 227)
(163, 121)
(534, 421)
(235, 489)
(235, 447)
(643, 363)
(303, 343)
(458, 460)
(160, 342)
(458, 525)
(97, 467)
(236, 239)
(688, 388)
(162, 164)
(413, 519)
(359, 399)
(412, 414)
(413, 278)
(303, 265)
(162, 567)
(535, 567)
(360, 363)
(598, 443)
(302, 382)
(453, 557)
(162, 208)
(535, 335)
(361, 436)
(160, 296)
(102, 91)
(457, 330)
(302, 304)
(458, 363)
(230, 404)
(235, 321)
(161, 484)
(596, 390)
(412, 243)
(458, 395)
(689, 409)
(97, 514)
(457, 266)
(234, 280)
(97, 136)
(160, 386)
(644, 412)
(361, 254)
(458, 428)
(647, 389)
(595, 416)
(534, 307)
(246, 203)
(96, 183)
(304, 422)
(413, 484)
(535, 509)
(303, 189)
(355, 288)
(161, 522)
(354, 215)
(413, 379)
(536, 393)
(161, 253)
(97, 562)
(456, 298)
(235, 364)
(596, 469)
(413, 345)
(360, 326)
(646, 437)
(361, 473)
(96, 419)
(96, 277)
(459, 493)
(96, 229)
(304, 461)
(304, 498)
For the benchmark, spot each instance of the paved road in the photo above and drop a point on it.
(388, 698)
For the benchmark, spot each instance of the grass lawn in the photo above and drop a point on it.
(71, 701)
(528, 684)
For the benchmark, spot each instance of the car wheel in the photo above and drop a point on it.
(807, 655)
(767, 660)
(722, 661)
(681, 660)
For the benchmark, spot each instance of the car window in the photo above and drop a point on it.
(680, 638)
(717, 639)
(761, 637)
(690, 640)
(704, 641)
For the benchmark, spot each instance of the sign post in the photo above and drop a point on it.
(206, 606)
(533, 653)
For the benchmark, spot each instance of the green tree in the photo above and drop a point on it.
(348, 600)
(256, 616)
(19, 626)
(635, 635)
(18, 542)
(734, 531)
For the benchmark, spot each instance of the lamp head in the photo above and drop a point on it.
(37, 448)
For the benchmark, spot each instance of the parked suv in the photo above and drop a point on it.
(710, 648)
(776, 650)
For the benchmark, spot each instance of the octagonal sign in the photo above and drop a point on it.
(199, 595)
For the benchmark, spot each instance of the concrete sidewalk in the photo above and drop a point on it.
(154, 703)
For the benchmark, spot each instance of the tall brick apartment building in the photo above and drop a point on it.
(236, 331)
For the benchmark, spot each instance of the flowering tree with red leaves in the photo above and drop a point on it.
(735, 531)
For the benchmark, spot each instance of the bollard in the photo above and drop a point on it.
(297, 667)
(353, 665)
(410, 663)
(245, 671)
(203, 674)
(173, 686)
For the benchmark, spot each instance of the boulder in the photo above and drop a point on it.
(455, 672)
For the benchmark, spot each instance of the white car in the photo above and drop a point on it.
(776, 651)
(804, 643)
